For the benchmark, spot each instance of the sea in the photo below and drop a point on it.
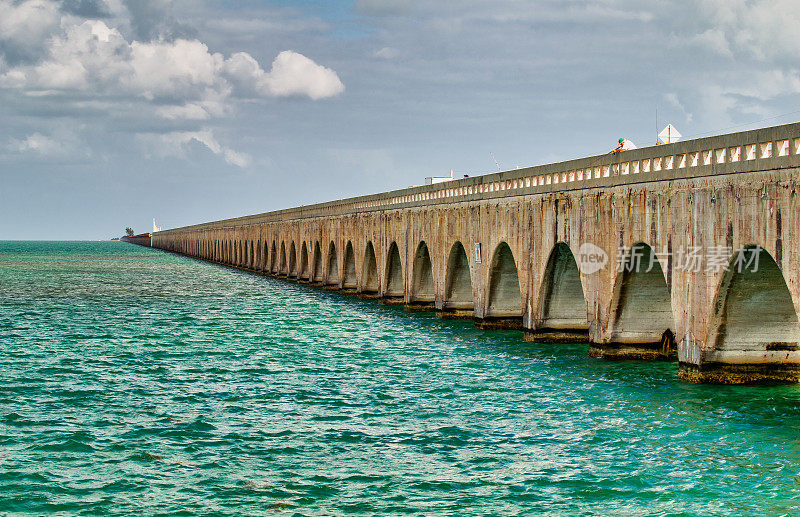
(137, 382)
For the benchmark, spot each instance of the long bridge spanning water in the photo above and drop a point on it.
(686, 251)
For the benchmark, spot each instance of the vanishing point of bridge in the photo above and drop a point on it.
(687, 251)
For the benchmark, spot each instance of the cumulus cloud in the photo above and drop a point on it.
(26, 26)
(93, 58)
(131, 55)
(293, 74)
(763, 29)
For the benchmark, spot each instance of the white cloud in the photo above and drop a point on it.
(28, 23)
(189, 111)
(237, 158)
(763, 29)
(387, 53)
(672, 99)
(37, 143)
(90, 58)
(293, 74)
(90, 64)
(176, 143)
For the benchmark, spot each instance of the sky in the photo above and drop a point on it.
(115, 112)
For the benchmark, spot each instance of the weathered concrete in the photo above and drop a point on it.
(502, 249)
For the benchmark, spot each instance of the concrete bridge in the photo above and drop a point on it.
(686, 251)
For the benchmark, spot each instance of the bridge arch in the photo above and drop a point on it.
(265, 258)
(394, 273)
(369, 271)
(333, 266)
(292, 260)
(562, 303)
(283, 269)
(458, 280)
(273, 259)
(349, 280)
(316, 264)
(754, 318)
(504, 296)
(302, 271)
(641, 322)
(422, 288)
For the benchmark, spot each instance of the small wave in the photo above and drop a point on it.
(66, 446)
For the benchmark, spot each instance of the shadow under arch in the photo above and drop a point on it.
(641, 323)
(273, 259)
(422, 286)
(458, 298)
(754, 334)
(562, 313)
(369, 271)
(282, 269)
(349, 280)
(292, 270)
(504, 298)
(332, 277)
(302, 272)
(394, 276)
(316, 264)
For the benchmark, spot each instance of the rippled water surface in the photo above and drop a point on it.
(138, 382)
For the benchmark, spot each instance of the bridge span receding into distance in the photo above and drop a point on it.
(687, 251)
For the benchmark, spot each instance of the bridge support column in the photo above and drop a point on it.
(557, 335)
(455, 314)
(391, 300)
(418, 306)
(499, 323)
(643, 350)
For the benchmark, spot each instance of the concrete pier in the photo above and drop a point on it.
(686, 251)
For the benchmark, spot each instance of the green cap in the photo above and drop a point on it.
(621, 140)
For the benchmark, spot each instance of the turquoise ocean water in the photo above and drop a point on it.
(138, 382)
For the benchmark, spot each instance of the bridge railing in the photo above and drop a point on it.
(763, 149)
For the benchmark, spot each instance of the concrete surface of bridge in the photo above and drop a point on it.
(687, 251)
